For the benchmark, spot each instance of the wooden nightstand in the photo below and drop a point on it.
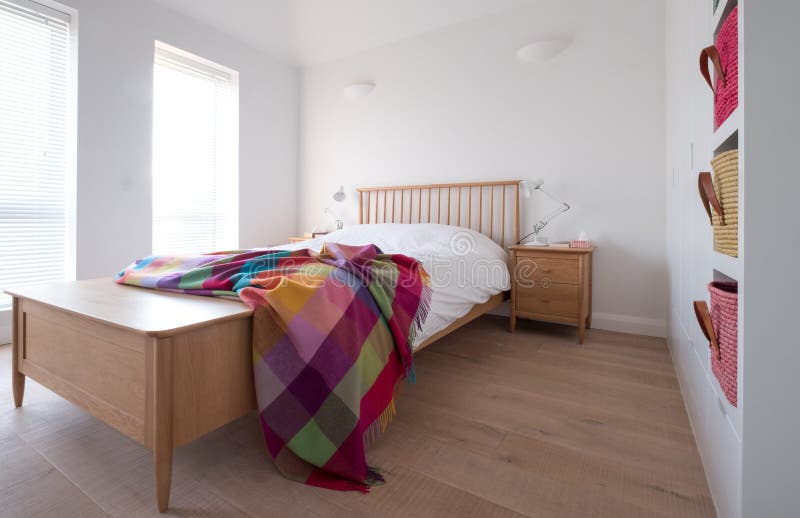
(306, 238)
(552, 284)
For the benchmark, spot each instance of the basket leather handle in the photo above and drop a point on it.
(713, 54)
(709, 197)
(704, 319)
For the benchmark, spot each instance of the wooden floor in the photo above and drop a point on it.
(497, 425)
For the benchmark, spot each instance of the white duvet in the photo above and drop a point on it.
(466, 267)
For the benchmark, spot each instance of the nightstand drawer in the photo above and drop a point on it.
(555, 269)
(556, 299)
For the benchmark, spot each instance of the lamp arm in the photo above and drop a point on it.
(538, 227)
(544, 221)
(550, 196)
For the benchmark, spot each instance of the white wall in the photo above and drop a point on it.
(456, 105)
(115, 62)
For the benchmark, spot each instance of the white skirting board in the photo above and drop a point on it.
(630, 324)
(619, 323)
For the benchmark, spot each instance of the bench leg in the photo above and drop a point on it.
(162, 460)
(18, 381)
(162, 421)
(18, 384)
(17, 378)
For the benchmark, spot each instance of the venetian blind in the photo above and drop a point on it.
(35, 201)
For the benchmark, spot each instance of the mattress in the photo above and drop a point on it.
(465, 266)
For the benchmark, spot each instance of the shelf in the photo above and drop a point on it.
(723, 9)
(727, 130)
(726, 265)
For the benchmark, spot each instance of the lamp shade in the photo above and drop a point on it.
(357, 91)
(339, 196)
(527, 186)
(544, 50)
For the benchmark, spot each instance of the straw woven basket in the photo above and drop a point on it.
(723, 197)
(720, 326)
(724, 55)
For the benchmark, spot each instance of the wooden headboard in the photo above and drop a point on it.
(491, 208)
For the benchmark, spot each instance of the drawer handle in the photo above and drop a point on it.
(545, 270)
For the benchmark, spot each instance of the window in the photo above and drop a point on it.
(195, 154)
(36, 146)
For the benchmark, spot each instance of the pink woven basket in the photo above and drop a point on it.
(721, 327)
(724, 54)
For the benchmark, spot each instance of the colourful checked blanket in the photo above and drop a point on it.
(332, 340)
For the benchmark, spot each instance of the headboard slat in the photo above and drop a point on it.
(491, 213)
(495, 217)
(459, 207)
(469, 207)
(503, 221)
(480, 209)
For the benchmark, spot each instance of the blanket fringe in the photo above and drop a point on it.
(416, 327)
(379, 425)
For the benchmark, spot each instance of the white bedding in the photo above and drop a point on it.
(466, 267)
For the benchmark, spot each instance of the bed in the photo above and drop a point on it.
(165, 369)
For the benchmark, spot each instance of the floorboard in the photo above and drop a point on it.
(497, 425)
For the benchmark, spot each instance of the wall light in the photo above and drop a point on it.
(357, 91)
(339, 196)
(543, 50)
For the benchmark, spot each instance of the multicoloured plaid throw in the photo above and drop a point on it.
(332, 340)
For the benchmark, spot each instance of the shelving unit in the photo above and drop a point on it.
(725, 458)
(749, 452)
(717, 424)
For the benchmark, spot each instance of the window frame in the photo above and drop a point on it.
(211, 68)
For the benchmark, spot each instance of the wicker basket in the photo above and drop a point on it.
(724, 55)
(721, 327)
(722, 195)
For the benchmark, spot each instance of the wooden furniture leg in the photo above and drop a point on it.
(589, 260)
(162, 419)
(17, 378)
(512, 309)
(581, 331)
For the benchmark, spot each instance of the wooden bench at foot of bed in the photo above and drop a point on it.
(162, 368)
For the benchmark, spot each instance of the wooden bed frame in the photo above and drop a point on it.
(165, 369)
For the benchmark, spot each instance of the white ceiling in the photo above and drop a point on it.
(314, 31)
